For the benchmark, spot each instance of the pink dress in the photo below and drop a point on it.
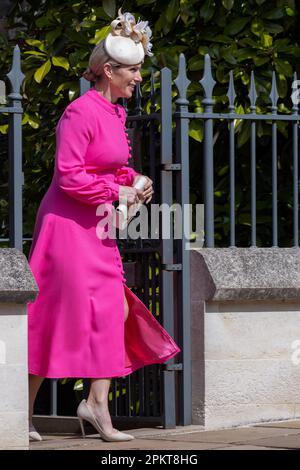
(76, 324)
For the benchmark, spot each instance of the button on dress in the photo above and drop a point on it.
(76, 324)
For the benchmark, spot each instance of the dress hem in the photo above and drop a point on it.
(124, 373)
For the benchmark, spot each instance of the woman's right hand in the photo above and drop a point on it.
(129, 195)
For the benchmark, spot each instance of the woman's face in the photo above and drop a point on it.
(124, 79)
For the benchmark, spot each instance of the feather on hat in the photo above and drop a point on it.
(129, 41)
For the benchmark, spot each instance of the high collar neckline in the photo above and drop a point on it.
(112, 107)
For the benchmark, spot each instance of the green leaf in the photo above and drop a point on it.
(260, 130)
(274, 14)
(75, 58)
(257, 27)
(87, 24)
(35, 43)
(282, 45)
(236, 26)
(100, 34)
(246, 41)
(294, 51)
(33, 123)
(64, 381)
(289, 11)
(4, 129)
(39, 54)
(220, 74)
(244, 134)
(282, 127)
(109, 6)
(63, 86)
(51, 36)
(227, 54)
(71, 94)
(196, 130)
(282, 86)
(145, 2)
(245, 54)
(42, 71)
(61, 62)
(172, 10)
(266, 40)
(43, 22)
(158, 26)
(245, 219)
(224, 170)
(260, 60)
(228, 4)
(273, 27)
(202, 50)
(283, 67)
(195, 63)
(78, 386)
(78, 38)
(25, 118)
(221, 38)
(207, 10)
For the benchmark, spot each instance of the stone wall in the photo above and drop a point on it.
(245, 328)
(17, 287)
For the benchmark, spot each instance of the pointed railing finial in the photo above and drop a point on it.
(252, 93)
(274, 94)
(207, 82)
(16, 76)
(231, 94)
(182, 82)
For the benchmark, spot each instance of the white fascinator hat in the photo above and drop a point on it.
(128, 42)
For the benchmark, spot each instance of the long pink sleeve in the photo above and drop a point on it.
(125, 176)
(73, 134)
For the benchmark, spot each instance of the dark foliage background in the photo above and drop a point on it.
(56, 39)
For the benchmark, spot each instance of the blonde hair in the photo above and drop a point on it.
(97, 59)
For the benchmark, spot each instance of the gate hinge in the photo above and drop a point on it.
(173, 366)
(170, 166)
(172, 267)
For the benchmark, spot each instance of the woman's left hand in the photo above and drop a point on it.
(146, 195)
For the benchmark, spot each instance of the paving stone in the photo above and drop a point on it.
(281, 424)
(249, 447)
(159, 431)
(232, 435)
(287, 441)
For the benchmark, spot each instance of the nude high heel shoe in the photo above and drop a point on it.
(84, 412)
(34, 435)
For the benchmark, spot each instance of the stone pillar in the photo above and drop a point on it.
(17, 287)
(245, 335)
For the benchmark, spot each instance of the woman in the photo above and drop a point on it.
(76, 325)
